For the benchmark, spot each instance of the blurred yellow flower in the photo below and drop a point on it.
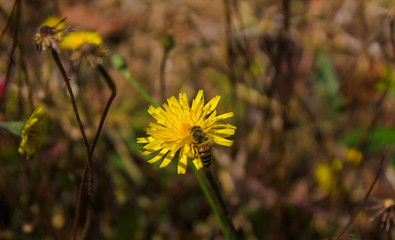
(50, 33)
(76, 39)
(87, 46)
(57, 22)
(354, 156)
(172, 131)
(325, 177)
(337, 165)
(33, 132)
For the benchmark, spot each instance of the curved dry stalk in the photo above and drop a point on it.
(82, 131)
(89, 164)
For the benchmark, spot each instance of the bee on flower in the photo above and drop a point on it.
(50, 33)
(33, 132)
(87, 46)
(188, 130)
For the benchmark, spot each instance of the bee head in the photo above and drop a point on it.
(46, 30)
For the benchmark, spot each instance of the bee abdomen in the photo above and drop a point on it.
(205, 154)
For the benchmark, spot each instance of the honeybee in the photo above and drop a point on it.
(47, 36)
(201, 145)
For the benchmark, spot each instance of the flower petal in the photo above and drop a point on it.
(224, 116)
(160, 155)
(222, 141)
(182, 164)
(198, 163)
(167, 159)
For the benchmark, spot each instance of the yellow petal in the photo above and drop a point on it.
(224, 116)
(223, 132)
(160, 155)
(212, 104)
(167, 159)
(222, 141)
(182, 164)
(198, 163)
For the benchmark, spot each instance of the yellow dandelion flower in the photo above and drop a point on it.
(50, 33)
(354, 156)
(183, 128)
(325, 177)
(33, 132)
(57, 22)
(87, 46)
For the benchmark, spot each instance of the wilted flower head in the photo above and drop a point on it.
(87, 46)
(172, 131)
(33, 132)
(385, 212)
(50, 33)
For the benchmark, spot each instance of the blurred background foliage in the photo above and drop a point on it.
(311, 85)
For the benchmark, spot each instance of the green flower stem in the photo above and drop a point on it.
(221, 201)
(128, 77)
(209, 199)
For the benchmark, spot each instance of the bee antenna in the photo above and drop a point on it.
(64, 19)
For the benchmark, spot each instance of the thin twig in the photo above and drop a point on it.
(229, 42)
(11, 59)
(89, 164)
(111, 85)
(375, 118)
(86, 226)
(7, 21)
(365, 199)
(72, 99)
(78, 207)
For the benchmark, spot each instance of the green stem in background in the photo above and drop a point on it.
(167, 43)
(120, 65)
(209, 199)
(162, 81)
(221, 201)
